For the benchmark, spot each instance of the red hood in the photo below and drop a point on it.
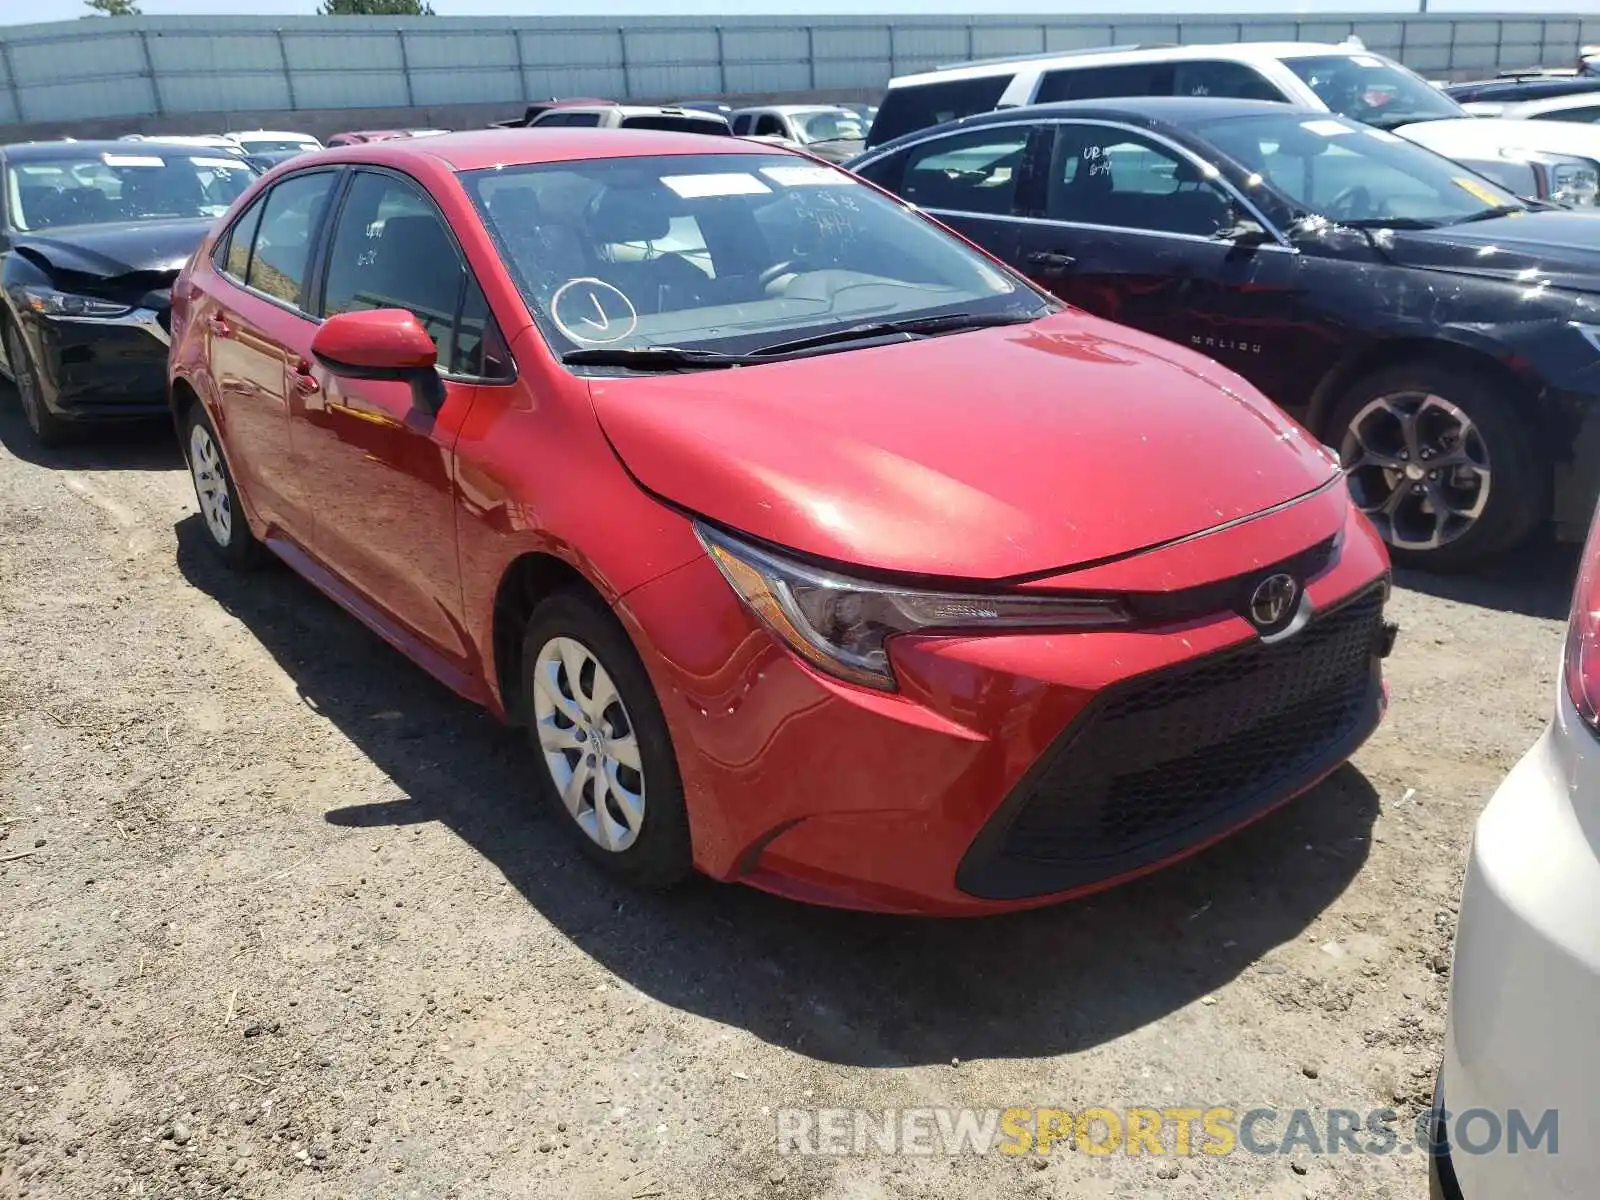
(978, 455)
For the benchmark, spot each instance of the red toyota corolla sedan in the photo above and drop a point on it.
(814, 549)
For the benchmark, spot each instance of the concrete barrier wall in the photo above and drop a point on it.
(187, 74)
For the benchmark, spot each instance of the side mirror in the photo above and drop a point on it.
(382, 343)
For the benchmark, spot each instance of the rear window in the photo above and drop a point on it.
(671, 124)
(908, 109)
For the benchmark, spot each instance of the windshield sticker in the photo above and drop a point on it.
(220, 164)
(1477, 190)
(1326, 128)
(732, 183)
(132, 160)
(1366, 60)
(592, 311)
(808, 177)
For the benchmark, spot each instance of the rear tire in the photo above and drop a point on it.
(1442, 462)
(48, 429)
(606, 764)
(227, 531)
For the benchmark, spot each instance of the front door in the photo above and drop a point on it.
(382, 468)
(1129, 231)
(256, 320)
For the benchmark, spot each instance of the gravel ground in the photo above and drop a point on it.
(276, 921)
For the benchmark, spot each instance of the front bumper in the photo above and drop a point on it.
(1526, 981)
(102, 369)
(807, 787)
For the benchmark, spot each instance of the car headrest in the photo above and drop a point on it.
(1187, 172)
(626, 214)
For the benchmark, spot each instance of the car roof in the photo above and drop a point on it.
(1226, 51)
(1179, 111)
(476, 149)
(1550, 104)
(26, 151)
(268, 133)
(794, 110)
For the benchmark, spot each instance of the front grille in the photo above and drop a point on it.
(1171, 758)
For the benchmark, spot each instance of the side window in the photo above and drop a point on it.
(289, 222)
(391, 249)
(1587, 115)
(233, 254)
(770, 126)
(1104, 176)
(1232, 80)
(888, 172)
(742, 123)
(1102, 83)
(480, 351)
(587, 120)
(908, 109)
(973, 172)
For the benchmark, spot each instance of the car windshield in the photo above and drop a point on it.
(277, 145)
(139, 185)
(724, 252)
(1365, 88)
(830, 127)
(1355, 174)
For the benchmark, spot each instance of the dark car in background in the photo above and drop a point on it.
(94, 234)
(1441, 334)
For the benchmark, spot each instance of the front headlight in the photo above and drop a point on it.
(52, 303)
(842, 625)
(1574, 183)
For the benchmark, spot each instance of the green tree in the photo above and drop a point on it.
(374, 8)
(112, 8)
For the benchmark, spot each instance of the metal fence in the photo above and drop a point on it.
(173, 66)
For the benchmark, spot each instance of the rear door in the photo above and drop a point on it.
(258, 328)
(971, 180)
(382, 470)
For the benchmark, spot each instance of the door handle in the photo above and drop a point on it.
(218, 325)
(304, 381)
(1051, 261)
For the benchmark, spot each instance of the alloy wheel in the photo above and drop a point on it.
(589, 743)
(1418, 467)
(211, 484)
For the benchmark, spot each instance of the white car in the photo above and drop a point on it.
(1512, 1111)
(273, 141)
(1579, 108)
(1346, 79)
(830, 131)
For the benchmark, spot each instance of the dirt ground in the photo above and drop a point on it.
(276, 921)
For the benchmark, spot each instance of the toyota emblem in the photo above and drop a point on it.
(1273, 600)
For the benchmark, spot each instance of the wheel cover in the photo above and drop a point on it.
(589, 743)
(211, 485)
(1418, 467)
(22, 374)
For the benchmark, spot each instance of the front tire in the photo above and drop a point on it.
(1441, 462)
(48, 429)
(227, 532)
(606, 763)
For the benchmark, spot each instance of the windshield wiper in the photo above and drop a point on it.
(654, 358)
(1392, 223)
(1488, 214)
(913, 327)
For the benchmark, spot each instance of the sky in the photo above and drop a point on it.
(18, 11)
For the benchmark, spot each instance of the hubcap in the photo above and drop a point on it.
(1418, 467)
(211, 485)
(589, 744)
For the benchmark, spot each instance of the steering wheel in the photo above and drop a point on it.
(1351, 203)
(775, 271)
